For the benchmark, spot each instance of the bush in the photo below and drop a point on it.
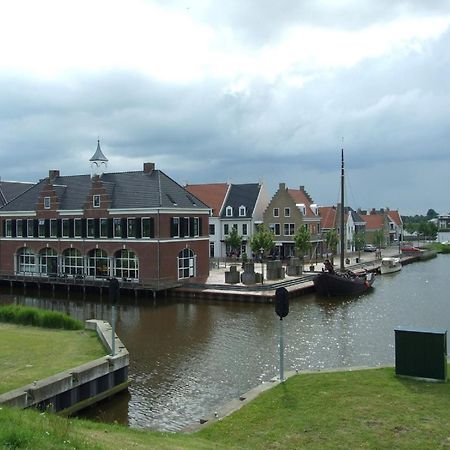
(26, 315)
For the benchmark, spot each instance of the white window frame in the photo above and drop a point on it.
(47, 202)
(41, 228)
(289, 229)
(242, 211)
(229, 211)
(117, 220)
(226, 229)
(53, 228)
(212, 229)
(129, 219)
(63, 222)
(245, 229)
(287, 212)
(96, 201)
(8, 228)
(276, 212)
(142, 228)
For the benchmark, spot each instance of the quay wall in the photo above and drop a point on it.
(81, 386)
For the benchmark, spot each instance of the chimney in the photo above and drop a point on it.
(282, 187)
(52, 174)
(302, 188)
(149, 167)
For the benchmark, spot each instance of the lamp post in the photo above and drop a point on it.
(261, 252)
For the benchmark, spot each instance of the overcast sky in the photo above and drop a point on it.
(235, 90)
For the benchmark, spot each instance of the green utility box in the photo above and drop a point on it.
(421, 354)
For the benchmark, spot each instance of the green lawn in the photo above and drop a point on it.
(370, 409)
(31, 353)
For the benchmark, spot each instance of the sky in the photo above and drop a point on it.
(234, 91)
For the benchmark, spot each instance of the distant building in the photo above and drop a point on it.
(385, 219)
(443, 221)
(141, 226)
(288, 210)
(238, 206)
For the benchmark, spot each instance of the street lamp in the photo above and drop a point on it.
(261, 252)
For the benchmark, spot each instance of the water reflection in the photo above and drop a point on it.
(188, 358)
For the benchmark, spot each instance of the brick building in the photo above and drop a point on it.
(140, 226)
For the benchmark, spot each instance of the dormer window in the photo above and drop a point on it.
(96, 201)
(242, 211)
(229, 211)
(47, 202)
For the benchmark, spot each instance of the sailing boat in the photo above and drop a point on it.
(334, 284)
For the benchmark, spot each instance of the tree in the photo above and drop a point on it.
(332, 240)
(378, 238)
(432, 214)
(302, 239)
(234, 241)
(262, 239)
(359, 240)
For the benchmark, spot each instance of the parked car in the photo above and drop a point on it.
(370, 248)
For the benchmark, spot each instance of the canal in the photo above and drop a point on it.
(189, 358)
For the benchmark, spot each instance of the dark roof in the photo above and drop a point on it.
(241, 195)
(125, 189)
(9, 190)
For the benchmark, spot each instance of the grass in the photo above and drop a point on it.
(26, 315)
(31, 353)
(439, 247)
(370, 409)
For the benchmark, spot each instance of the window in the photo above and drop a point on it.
(175, 227)
(90, 228)
(53, 228)
(126, 264)
(47, 202)
(226, 229)
(275, 228)
(97, 263)
(196, 226)
(212, 229)
(48, 262)
(235, 226)
(19, 228)
(41, 228)
(147, 227)
(72, 262)
(287, 212)
(26, 261)
(77, 228)
(65, 228)
(96, 201)
(186, 264)
(131, 228)
(8, 228)
(289, 229)
(229, 211)
(276, 212)
(103, 228)
(30, 228)
(117, 227)
(242, 211)
(185, 226)
(211, 249)
(244, 229)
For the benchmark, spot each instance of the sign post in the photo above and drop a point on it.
(114, 294)
(282, 310)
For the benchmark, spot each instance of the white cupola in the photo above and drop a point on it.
(99, 162)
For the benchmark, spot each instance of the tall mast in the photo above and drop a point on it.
(342, 232)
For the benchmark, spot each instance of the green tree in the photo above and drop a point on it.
(234, 241)
(359, 240)
(332, 240)
(262, 239)
(378, 238)
(432, 214)
(302, 240)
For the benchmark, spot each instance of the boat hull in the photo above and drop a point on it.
(390, 265)
(335, 285)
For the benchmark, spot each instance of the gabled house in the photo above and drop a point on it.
(353, 224)
(288, 210)
(213, 195)
(443, 221)
(385, 219)
(141, 226)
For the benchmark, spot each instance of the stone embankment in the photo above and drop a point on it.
(79, 387)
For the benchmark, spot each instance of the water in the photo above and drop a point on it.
(189, 358)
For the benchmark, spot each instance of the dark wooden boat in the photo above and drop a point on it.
(334, 284)
(337, 284)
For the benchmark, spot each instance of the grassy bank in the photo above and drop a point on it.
(439, 247)
(31, 353)
(361, 409)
